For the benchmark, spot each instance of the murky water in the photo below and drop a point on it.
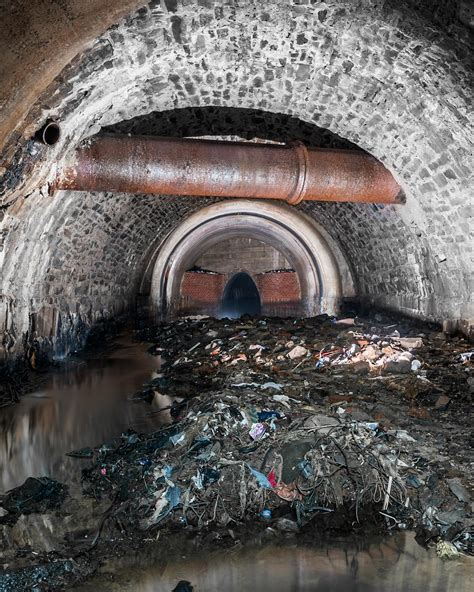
(84, 404)
(87, 403)
(393, 564)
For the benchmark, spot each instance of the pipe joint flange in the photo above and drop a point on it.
(298, 193)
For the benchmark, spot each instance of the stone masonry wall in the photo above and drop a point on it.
(378, 76)
(73, 260)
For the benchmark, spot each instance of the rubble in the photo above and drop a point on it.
(298, 425)
(36, 495)
(259, 433)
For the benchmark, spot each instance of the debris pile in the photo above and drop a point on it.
(298, 425)
(265, 428)
(232, 458)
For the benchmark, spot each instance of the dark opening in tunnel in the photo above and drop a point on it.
(240, 297)
(239, 122)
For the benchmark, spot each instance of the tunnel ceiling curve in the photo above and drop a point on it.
(321, 64)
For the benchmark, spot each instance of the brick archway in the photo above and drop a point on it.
(323, 274)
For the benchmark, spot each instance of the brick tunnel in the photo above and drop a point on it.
(390, 81)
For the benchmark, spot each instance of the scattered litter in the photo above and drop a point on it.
(271, 385)
(284, 421)
(261, 479)
(458, 489)
(37, 494)
(257, 431)
(297, 352)
(446, 550)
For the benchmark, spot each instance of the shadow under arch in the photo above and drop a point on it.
(240, 297)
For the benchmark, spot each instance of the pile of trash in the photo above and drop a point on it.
(246, 456)
(252, 439)
(297, 425)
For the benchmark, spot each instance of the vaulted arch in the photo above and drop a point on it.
(319, 64)
(323, 273)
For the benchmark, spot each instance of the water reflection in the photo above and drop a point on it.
(83, 405)
(394, 564)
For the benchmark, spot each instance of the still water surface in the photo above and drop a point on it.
(392, 564)
(87, 403)
(84, 404)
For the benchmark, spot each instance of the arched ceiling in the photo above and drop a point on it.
(382, 78)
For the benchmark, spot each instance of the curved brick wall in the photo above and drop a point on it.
(79, 256)
(375, 74)
(202, 293)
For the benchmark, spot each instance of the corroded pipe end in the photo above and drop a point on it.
(49, 133)
(400, 198)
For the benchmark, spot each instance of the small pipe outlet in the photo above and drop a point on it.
(49, 134)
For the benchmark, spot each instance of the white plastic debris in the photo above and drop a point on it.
(265, 386)
(402, 435)
(446, 550)
(297, 352)
(256, 346)
(271, 385)
(178, 438)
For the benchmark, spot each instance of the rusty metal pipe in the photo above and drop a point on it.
(175, 166)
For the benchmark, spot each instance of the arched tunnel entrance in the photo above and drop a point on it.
(241, 297)
(320, 274)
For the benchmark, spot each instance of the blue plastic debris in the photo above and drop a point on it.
(324, 361)
(266, 415)
(413, 481)
(173, 495)
(305, 468)
(167, 471)
(266, 514)
(261, 479)
(145, 462)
